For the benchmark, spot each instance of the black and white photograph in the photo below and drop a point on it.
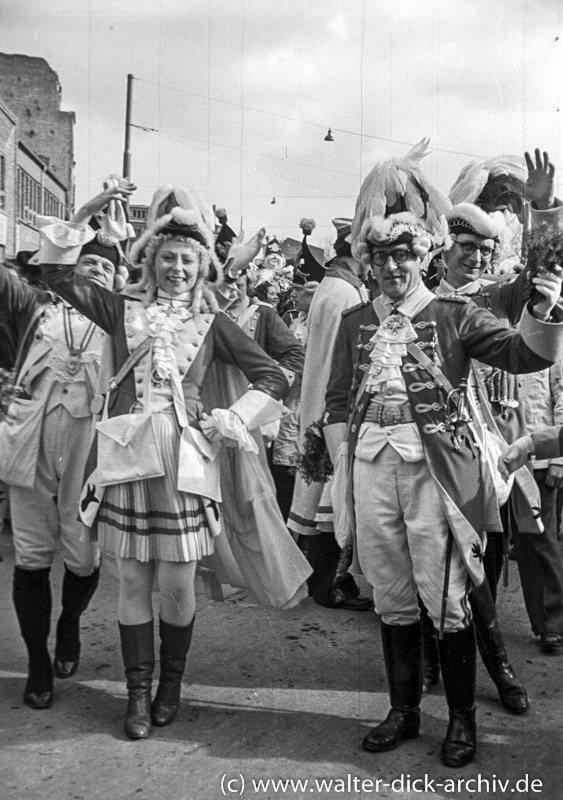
(281, 399)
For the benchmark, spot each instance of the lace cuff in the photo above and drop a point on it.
(256, 408)
(233, 430)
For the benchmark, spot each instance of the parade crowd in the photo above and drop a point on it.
(192, 398)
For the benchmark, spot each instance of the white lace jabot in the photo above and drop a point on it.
(165, 321)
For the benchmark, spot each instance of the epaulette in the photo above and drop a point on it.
(454, 298)
(355, 308)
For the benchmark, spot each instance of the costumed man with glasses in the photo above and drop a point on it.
(421, 495)
(47, 435)
(472, 242)
(515, 406)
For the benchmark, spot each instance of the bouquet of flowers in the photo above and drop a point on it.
(7, 390)
(307, 225)
(544, 250)
(314, 464)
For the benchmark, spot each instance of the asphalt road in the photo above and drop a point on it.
(267, 696)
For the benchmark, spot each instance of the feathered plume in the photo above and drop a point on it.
(397, 185)
(473, 177)
(241, 253)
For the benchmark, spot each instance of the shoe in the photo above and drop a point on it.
(511, 691)
(492, 649)
(65, 669)
(356, 604)
(33, 604)
(402, 651)
(38, 700)
(397, 725)
(137, 649)
(459, 746)
(138, 717)
(76, 595)
(551, 641)
(458, 660)
(174, 646)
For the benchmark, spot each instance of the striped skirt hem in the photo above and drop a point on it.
(150, 519)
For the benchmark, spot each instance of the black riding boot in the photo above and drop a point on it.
(458, 659)
(137, 647)
(493, 651)
(174, 645)
(77, 593)
(33, 605)
(402, 646)
(430, 655)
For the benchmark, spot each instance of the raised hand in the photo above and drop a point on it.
(539, 188)
(114, 191)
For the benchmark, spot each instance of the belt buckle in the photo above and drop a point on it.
(391, 415)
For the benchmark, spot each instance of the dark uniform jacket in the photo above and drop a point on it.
(452, 331)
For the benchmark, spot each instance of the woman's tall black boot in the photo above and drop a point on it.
(402, 649)
(458, 657)
(137, 647)
(33, 605)
(174, 645)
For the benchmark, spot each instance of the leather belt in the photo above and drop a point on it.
(385, 414)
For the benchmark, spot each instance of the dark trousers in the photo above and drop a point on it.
(284, 480)
(323, 554)
(539, 563)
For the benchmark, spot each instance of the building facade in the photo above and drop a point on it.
(36, 151)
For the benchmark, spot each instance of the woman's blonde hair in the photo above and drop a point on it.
(180, 226)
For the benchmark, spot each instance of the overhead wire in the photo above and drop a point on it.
(300, 120)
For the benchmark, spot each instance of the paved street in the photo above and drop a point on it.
(267, 695)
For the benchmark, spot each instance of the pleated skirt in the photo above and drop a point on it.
(150, 519)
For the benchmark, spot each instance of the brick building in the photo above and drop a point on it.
(36, 151)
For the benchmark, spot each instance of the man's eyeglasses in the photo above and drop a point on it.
(468, 248)
(380, 257)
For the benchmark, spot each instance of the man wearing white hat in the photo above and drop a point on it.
(516, 406)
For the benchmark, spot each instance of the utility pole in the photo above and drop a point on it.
(127, 151)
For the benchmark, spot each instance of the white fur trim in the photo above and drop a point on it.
(481, 222)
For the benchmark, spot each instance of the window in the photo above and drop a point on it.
(52, 206)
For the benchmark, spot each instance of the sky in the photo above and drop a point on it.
(233, 98)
